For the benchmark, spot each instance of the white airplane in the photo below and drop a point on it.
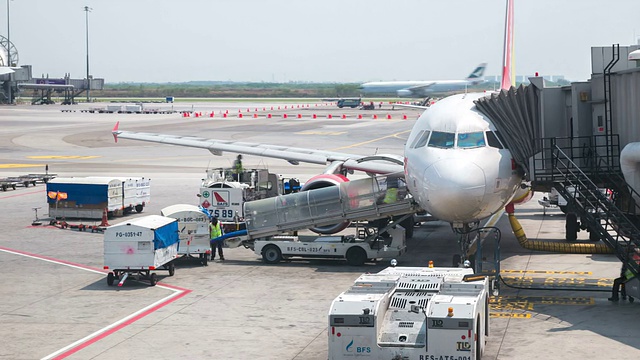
(455, 164)
(422, 89)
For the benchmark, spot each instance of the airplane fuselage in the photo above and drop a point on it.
(416, 88)
(456, 167)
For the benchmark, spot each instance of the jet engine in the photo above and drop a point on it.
(404, 93)
(322, 181)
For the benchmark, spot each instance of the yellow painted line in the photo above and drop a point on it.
(63, 157)
(554, 281)
(509, 315)
(524, 302)
(372, 140)
(546, 272)
(321, 133)
(14, 166)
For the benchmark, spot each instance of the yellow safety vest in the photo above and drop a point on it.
(215, 231)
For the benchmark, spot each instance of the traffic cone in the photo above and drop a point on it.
(404, 117)
(315, 116)
(389, 116)
(299, 116)
(284, 116)
(329, 116)
(240, 115)
(344, 116)
(359, 116)
(255, 116)
(104, 218)
(268, 116)
(375, 116)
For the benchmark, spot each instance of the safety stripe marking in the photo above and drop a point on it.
(22, 194)
(70, 349)
(546, 272)
(509, 315)
(63, 157)
(13, 166)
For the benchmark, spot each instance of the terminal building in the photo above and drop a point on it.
(17, 80)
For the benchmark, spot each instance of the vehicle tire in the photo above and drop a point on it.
(457, 259)
(571, 227)
(153, 279)
(110, 278)
(356, 256)
(172, 268)
(204, 259)
(139, 208)
(340, 106)
(271, 254)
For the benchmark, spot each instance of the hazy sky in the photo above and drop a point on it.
(311, 40)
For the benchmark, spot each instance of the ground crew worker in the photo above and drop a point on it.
(215, 231)
(391, 195)
(625, 275)
(237, 168)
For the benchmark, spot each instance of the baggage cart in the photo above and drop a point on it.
(140, 246)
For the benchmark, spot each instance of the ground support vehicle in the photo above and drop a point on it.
(193, 225)
(224, 192)
(87, 197)
(350, 102)
(140, 246)
(356, 250)
(411, 313)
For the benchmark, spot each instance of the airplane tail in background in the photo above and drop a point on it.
(477, 74)
(508, 74)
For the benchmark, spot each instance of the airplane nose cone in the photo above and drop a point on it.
(455, 190)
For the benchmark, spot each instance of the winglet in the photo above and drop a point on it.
(115, 132)
(507, 64)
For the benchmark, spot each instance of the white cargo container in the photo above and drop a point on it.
(136, 193)
(193, 227)
(140, 246)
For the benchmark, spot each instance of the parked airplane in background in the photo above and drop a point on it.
(455, 164)
(422, 89)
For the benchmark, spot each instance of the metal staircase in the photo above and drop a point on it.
(609, 208)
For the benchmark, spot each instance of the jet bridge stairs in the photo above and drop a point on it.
(356, 200)
(598, 194)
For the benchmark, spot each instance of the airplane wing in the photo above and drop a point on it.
(377, 164)
(421, 87)
(412, 106)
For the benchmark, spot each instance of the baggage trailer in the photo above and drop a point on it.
(140, 246)
(193, 227)
(411, 313)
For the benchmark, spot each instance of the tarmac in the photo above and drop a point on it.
(56, 302)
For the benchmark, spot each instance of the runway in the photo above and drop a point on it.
(56, 302)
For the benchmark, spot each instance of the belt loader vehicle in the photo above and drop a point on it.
(411, 313)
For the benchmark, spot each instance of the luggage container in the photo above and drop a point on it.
(140, 246)
(86, 197)
(193, 227)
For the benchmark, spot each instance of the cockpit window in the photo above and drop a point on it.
(504, 143)
(442, 139)
(493, 141)
(421, 139)
(471, 140)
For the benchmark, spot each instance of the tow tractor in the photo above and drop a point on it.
(411, 313)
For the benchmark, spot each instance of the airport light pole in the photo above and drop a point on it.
(8, 37)
(87, 10)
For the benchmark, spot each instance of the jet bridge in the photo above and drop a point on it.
(362, 199)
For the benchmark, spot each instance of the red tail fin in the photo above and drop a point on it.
(507, 65)
(115, 131)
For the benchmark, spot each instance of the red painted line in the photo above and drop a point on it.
(181, 292)
(22, 194)
(121, 326)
